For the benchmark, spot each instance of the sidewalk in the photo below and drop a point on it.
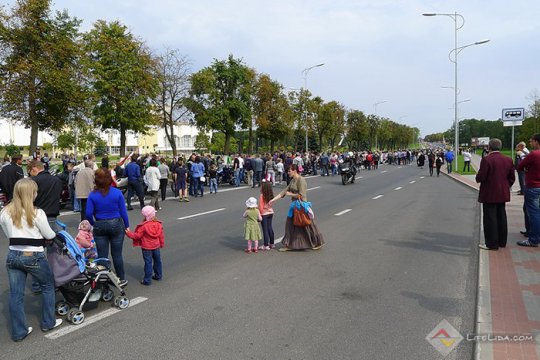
(509, 287)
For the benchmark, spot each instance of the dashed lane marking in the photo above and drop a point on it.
(342, 212)
(200, 214)
(412, 182)
(421, 177)
(91, 319)
(377, 197)
(313, 188)
(398, 188)
(382, 172)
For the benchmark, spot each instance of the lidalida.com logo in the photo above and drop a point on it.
(445, 338)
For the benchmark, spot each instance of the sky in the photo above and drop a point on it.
(373, 51)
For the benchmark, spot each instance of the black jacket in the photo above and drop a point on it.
(8, 177)
(49, 193)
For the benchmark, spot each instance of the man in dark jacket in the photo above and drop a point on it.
(49, 191)
(496, 176)
(10, 175)
(134, 175)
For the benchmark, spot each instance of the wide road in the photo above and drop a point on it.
(400, 256)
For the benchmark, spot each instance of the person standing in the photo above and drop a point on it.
(531, 165)
(27, 228)
(133, 173)
(84, 184)
(152, 178)
(298, 237)
(449, 159)
(106, 211)
(258, 165)
(466, 160)
(164, 181)
(496, 176)
(48, 193)
(521, 152)
(10, 174)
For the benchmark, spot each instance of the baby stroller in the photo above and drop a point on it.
(81, 283)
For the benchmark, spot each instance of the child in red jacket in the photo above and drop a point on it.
(150, 237)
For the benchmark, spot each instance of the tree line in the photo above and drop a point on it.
(57, 79)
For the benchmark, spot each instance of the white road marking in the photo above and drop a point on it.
(66, 213)
(412, 182)
(421, 177)
(91, 319)
(199, 214)
(377, 197)
(313, 188)
(398, 188)
(399, 167)
(342, 212)
(382, 172)
(359, 177)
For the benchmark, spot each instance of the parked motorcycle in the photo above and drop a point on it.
(348, 172)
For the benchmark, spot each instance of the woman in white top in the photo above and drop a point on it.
(152, 178)
(27, 229)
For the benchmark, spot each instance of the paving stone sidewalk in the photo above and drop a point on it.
(509, 288)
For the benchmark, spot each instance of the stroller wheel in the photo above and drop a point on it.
(62, 308)
(77, 318)
(107, 295)
(121, 302)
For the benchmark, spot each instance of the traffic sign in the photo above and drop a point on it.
(513, 114)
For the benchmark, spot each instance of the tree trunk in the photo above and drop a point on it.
(122, 140)
(34, 128)
(272, 143)
(250, 139)
(169, 133)
(227, 147)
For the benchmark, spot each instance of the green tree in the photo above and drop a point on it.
(39, 54)
(202, 142)
(220, 97)
(122, 81)
(274, 116)
(330, 123)
(173, 73)
(357, 129)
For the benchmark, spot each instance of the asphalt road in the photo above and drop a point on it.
(392, 269)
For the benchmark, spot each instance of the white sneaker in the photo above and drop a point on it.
(56, 324)
(261, 247)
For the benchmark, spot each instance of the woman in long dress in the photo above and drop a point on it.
(298, 237)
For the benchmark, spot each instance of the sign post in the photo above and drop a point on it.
(513, 117)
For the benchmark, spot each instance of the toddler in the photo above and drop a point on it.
(150, 237)
(267, 213)
(252, 230)
(85, 240)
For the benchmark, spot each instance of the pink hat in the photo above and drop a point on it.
(148, 212)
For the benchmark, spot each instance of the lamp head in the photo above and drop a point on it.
(429, 14)
(481, 42)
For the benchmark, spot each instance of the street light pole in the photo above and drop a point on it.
(457, 25)
(375, 112)
(305, 74)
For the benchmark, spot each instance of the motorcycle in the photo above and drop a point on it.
(347, 171)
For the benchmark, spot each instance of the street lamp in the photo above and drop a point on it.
(457, 25)
(375, 112)
(305, 74)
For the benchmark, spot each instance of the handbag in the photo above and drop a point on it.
(300, 217)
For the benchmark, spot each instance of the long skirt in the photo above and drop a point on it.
(301, 237)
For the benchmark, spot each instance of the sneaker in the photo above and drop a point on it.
(123, 282)
(484, 247)
(28, 333)
(130, 208)
(272, 246)
(144, 283)
(526, 243)
(56, 324)
(247, 250)
(255, 250)
(261, 247)
(267, 248)
(282, 249)
(186, 199)
(156, 278)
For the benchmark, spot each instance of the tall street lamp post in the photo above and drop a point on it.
(459, 21)
(375, 113)
(305, 74)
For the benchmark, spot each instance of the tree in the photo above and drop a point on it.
(173, 73)
(273, 114)
(202, 142)
(301, 104)
(122, 80)
(39, 56)
(357, 129)
(330, 123)
(220, 97)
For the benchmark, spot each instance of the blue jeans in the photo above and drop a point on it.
(198, 188)
(449, 166)
(36, 287)
(532, 204)
(111, 232)
(213, 185)
(148, 256)
(267, 229)
(137, 188)
(237, 177)
(18, 267)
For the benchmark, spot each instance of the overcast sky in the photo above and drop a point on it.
(372, 50)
